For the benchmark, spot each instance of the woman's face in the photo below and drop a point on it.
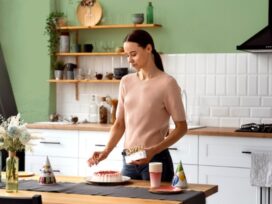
(136, 55)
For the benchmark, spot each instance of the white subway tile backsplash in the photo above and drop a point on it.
(210, 85)
(220, 64)
(211, 64)
(261, 112)
(252, 64)
(229, 101)
(242, 64)
(241, 85)
(181, 64)
(263, 85)
(252, 84)
(267, 101)
(231, 85)
(200, 85)
(229, 122)
(250, 101)
(209, 101)
(249, 120)
(226, 89)
(263, 63)
(190, 64)
(231, 64)
(239, 112)
(220, 85)
(219, 111)
(201, 62)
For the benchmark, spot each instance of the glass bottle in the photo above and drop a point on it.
(149, 13)
(103, 111)
(12, 165)
(93, 110)
(113, 110)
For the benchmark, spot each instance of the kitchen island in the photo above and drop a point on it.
(63, 198)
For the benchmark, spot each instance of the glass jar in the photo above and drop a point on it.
(12, 166)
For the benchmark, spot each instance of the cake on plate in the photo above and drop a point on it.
(107, 176)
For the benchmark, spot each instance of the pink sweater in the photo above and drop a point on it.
(146, 107)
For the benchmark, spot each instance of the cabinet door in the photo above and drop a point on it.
(227, 151)
(186, 150)
(90, 141)
(60, 165)
(55, 143)
(233, 185)
(191, 172)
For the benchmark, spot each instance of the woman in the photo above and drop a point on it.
(146, 101)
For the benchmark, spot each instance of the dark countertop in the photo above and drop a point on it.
(207, 131)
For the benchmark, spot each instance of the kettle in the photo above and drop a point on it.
(70, 70)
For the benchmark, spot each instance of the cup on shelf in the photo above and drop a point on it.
(155, 172)
(88, 47)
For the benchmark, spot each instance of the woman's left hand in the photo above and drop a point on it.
(150, 153)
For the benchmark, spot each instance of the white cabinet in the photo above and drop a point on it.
(233, 185)
(60, 146)
(90, 141)
(222, 162)
(186, 150)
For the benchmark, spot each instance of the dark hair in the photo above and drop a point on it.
(143, 38)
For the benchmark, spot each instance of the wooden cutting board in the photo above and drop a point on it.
(89, 15)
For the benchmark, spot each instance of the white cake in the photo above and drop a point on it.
(107, 176)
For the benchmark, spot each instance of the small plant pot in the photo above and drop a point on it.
(58, 74)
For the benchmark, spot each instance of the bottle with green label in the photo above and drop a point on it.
(149, 14)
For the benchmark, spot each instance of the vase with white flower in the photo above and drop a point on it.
(14, 136)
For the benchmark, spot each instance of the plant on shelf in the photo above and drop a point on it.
(58, 67)
(53, 34)
(87, 2)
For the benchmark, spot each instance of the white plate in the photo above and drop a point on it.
(90, 181)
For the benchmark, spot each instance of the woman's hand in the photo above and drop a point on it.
(97, 157)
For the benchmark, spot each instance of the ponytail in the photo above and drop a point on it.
(158, 60)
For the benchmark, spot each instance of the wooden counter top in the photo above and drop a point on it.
(62, 198)
(208, 131)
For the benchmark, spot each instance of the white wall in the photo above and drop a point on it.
(224, 90)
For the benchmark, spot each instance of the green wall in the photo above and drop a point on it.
(189, 26)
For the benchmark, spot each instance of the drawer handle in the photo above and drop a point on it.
(57, 171)
(173, 148)
(44, 142)
(100, 145)
(246, 152)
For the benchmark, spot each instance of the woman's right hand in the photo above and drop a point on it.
(97, 157)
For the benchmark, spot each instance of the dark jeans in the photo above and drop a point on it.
(140, 172)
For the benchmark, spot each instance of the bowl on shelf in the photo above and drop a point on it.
(119, 72)
(99, 76)
(138, 18)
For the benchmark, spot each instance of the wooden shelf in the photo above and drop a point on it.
(109, 26)
(107, 81)
(90, 53)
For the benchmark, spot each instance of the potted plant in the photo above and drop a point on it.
(52, 32)
(58, 70)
